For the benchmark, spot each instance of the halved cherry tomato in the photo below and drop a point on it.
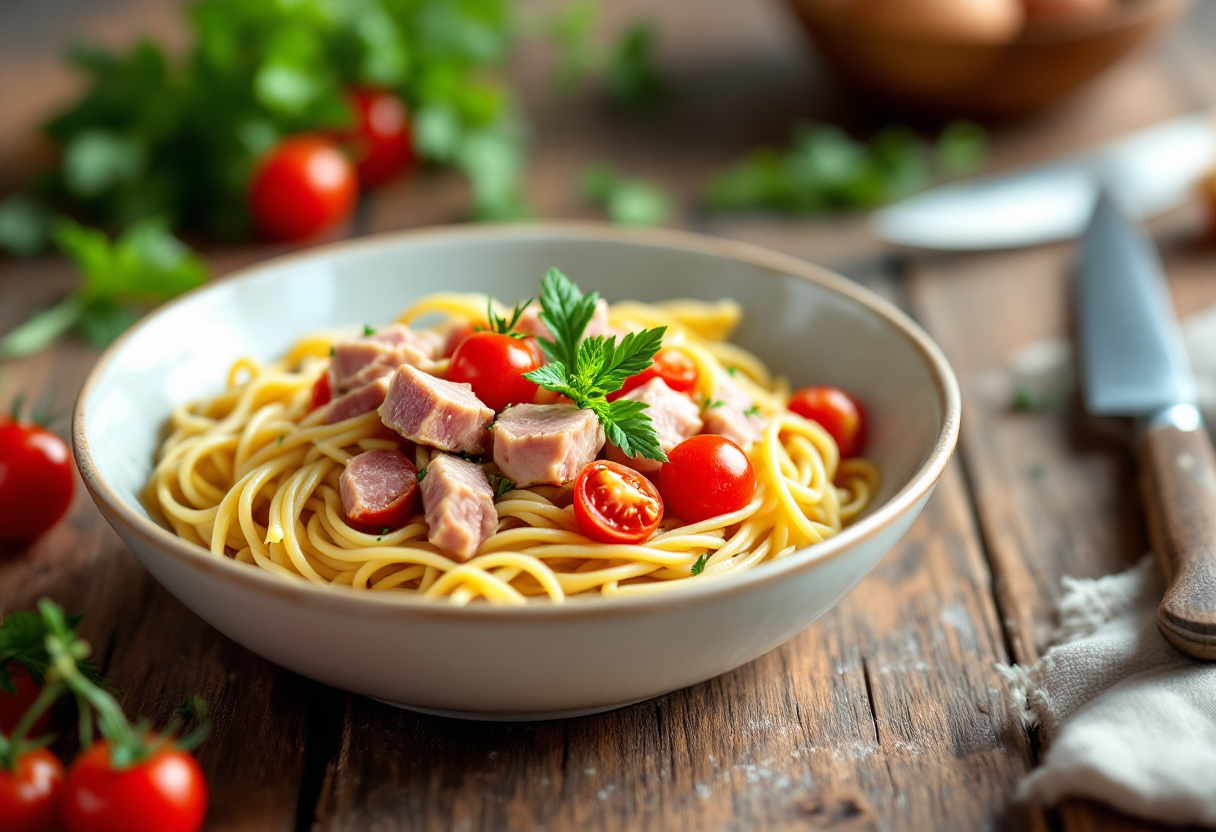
(322, 392)
(303, 186)
(706, 476)
(30, 794)
(36, 481)
(164, 793)
(12, 708)
(381, 139)
(615, 504)
(495, 364)
(838, 413)
(673, 366)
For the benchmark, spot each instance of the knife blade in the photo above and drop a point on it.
(1133, 363)
(1151, 171)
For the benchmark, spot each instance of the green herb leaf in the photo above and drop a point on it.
(632, 77)
(626, 201)
(367, 330)
(501, 485)
(23, 642)
(422, 472)
(754, 410)
(43, 329)
(566, 311)
(24, 226)
(1030, 401)
(962, 148)
(631, 430)
(699, 566)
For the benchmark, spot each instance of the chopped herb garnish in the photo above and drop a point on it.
(699, 566)
(385, 530)
(730, 371)
(367, 330)
(754, 410)
(501, 485)
(712, 403)
(1028, 400)
(501, 325)
(332, 352)
(421, 474)
(281, 438)
(588, 369)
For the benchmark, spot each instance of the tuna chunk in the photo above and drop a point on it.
(676, 417)
(358, 401)
(459, 505)
(379, 489)
(435, 412)
(362, 360)
(728, 415)
(531, 324)
(545, 444)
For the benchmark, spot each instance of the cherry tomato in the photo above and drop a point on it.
(12, 708)
(673, 366)
(322, 392)
(303, 186)
(30, 794)
(36, 481)
(164, 793)
(494, 364)
(838, 413)
(706, 476)
(381, 139)
(615, 504)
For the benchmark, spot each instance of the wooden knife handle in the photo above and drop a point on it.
(1178, 469)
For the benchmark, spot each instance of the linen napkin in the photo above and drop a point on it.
(1126, 718)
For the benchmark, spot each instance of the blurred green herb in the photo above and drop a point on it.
(626, 201)
(144, 266)
(630, 74)
(1031, 401)
(699, 566)
(180, 139)
(824, 169)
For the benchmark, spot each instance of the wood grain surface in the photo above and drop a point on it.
(887, 713)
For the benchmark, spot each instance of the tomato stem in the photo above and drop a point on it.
(14, 746)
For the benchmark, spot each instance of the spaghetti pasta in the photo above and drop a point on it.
(253, 474)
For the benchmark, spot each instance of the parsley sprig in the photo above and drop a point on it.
(23, 643)
(586, 370)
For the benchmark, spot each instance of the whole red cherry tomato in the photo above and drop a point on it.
(30, 793)
(673, 366)
(303, 186)
(36, 481)
(495, 364)
(164, 793)
(13, 707)
(838, 413)
(615, 504)
(706, 476)
(322, 392)
(381, 141)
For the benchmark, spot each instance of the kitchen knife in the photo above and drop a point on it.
(1133, 363)
(1152, 171)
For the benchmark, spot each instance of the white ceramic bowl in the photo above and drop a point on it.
(539, 660)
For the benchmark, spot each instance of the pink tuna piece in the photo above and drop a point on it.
(362, 360)
(379, 488)
(676, 417)
(459, 505)
(545, 444)
(531, 324)
(357, 401)
(435, 412)
(728, 415)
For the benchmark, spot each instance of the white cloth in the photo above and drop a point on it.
(1127, 720)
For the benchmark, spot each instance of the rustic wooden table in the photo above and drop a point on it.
(885, 714)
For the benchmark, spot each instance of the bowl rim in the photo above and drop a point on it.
(384, 604)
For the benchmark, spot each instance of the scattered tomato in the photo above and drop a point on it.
(706, 476)
(36, 481)
(30, 793)
(303, 186)
(495, 364)
(322, 393)
(164, 793)
(12, 708)
(615, 504)
(381, 140)
(673, 366)
(839, 414)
